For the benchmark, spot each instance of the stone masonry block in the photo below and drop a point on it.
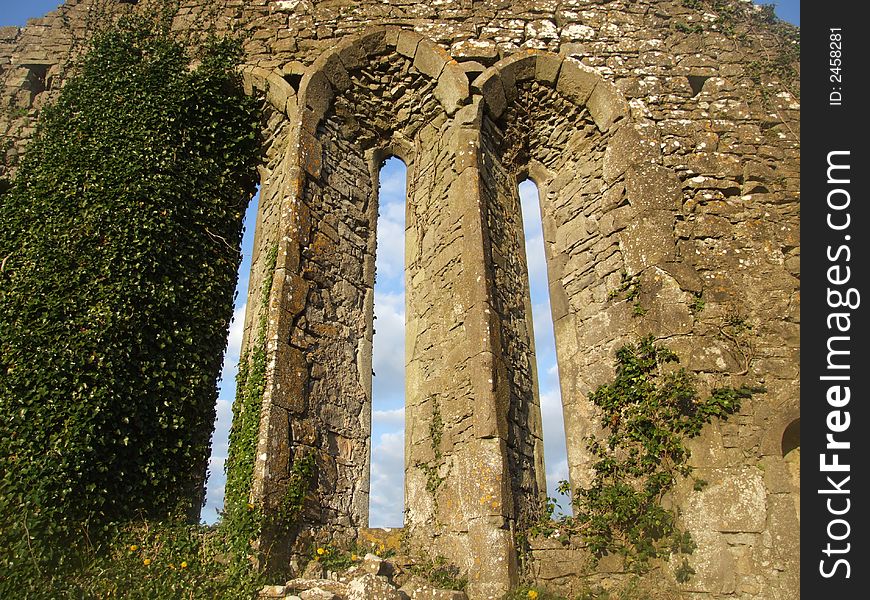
(275, 445)
(490, 86)
(467, 150)
(520, 66)
(310, 154)
(290, 378)
(685, 274)
(279, 93)
(470, 115)
(373, 41)
(370, 587)
(492, 573)
(547, 67)
(452, 88)
(472, 68)
(576, 81)
(486, 419)
(607, 106)
(391, 35)
(335, 71)
(407, 42)
(430, 59)
(627, 147)
(648, 240)
(317, 91)
(735, 503)
(254, 78)
(351, 53)
(652, 186)
(481, 50)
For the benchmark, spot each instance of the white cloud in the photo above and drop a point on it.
(388, 360)
(387, 481)
(390, 255)
(391, 419)
(231, 354)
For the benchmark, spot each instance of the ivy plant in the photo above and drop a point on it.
(119, 240)
(648, 413)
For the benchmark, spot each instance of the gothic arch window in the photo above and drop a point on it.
(385, 92)
(607, 206)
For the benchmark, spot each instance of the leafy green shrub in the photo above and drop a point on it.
(648, 414)
(120, 239)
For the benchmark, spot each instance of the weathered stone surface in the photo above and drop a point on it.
(430, 59)
(577, 81)
(372, 587)
(417, 590)
(375, 565)
(547, 68)
(485, 51)
(490, 86)
(452, 88)
(407, 43)
(280, 94)
(651, 186)
(607, 105)
(317, 92)
(302, 584)
(626, 148)
(273, 591)
(654, 156)
(648, 240)
(318, 594)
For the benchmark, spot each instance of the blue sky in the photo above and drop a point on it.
(388, 361)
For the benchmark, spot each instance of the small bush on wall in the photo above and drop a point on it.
(119, 240)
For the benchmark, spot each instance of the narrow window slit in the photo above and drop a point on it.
(550, 397)
(214, 490)
(386, 491)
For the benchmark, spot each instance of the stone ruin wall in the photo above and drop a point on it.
(656, 152)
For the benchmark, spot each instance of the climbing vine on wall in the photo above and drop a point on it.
(120, 245)
(648, 413)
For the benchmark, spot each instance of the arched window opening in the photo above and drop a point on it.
(791, 453)
(791, 437)
(386, 492)
(791, 450)
(214, 491)
(555, 449)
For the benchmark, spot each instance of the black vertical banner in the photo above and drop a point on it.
(835, 370)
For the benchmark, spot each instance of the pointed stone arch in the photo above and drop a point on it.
(607, 206)
(386, 91)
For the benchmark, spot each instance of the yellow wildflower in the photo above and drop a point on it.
(354, 557)
(532, 594)
(133, 548)
(321, 551)
(184, 564)
(146, 562)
